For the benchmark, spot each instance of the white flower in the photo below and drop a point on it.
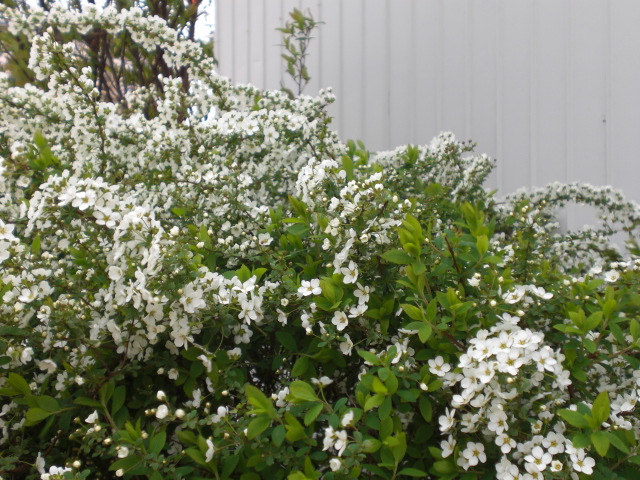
(208, 456)
(611, 276)
(505, 442)
(123, 452)
(92, 418)
(335, 464)
(54, 471)
(350, 273)
(447, 421)
(362, 293)
(340, 320)
(311, 287)
(221, 413)
(336, 439)
(347, 345)
(347, 419)
(539, 458)
(39, 463)
(161, 395)
(474, 454)
(322, 381)
(581, 463)
(162, 411)
(264, 239)
(437, 366)
(448, 446)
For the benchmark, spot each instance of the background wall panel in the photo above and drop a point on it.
(547, 87)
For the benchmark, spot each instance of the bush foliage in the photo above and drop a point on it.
(220, 288)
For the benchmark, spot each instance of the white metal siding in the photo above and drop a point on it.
(550, 88)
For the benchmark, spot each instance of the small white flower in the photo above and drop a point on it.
(322, 381)
(123, 452)
(347, 345)
(162, 411)
(92, 418)
(208, 456)
(350, 273)
(309, 287)
(611, 276)
(581, 463)
(39, 464)
(474, 454)
(347, 419)
(340, 320)
(264, 239)
(335, 464)
(437, 366)
(161, 395)
(448, 446)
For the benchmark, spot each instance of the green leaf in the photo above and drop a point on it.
(258, 425)
(432, 310)
(6, 330)
(617, 440)
(126, 463)
(424, 332)
(117, 401)
(48, 403)
(156, 444)
(369, 357)
(593, 321)
(601, 441)
(385, 409)
(634, 328)
(444, 467)
(574, 418)
(601, 408)
(36, 415)
(589, 344)
(313, 413)
(377, 386)
(88, 402)
(295, 431)
(35, 245)
(286, 340)
(413, 312)
(301, 391)
(278, 435)
(426, 409)
(373, 402)
(300, 367)
(229, 465)
(398, 256)
(18, 383)
(260, 403)
(412, 472)
(482, 244)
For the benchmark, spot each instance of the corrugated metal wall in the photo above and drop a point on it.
(550, 88)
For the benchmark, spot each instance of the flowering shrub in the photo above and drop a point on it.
(223, 289)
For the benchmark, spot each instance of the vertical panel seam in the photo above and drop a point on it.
(607, 99)
(468, 104)
(412, 77)
(499, 79)
(568, 95)
(388, 70)
(533, 96)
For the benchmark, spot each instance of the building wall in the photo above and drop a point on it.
(550, 88)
